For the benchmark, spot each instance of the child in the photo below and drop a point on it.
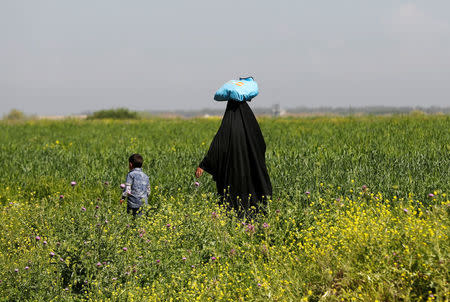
(137, 186)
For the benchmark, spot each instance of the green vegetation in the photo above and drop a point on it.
(15, 115)
(118, 114)
(360, 211)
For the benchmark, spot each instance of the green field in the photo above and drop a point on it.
(360, 211)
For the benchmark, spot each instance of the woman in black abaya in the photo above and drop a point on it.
(236, 161)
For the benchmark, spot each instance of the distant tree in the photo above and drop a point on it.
(15, 115)
(120, 113)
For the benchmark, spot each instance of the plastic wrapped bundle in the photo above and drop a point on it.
(243, 90)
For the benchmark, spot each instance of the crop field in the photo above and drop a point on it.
(360, 212)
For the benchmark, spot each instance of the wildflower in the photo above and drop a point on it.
(106, 183)
(61, 259)
(61, 196)
(250, 228)
(213, 258)
(232, 251)
(38, 238)
(213, 214)
(114, 279)
(277, 211)
(52, 254)
(364, 187)
(193, 266)
(44, 242)
(431, 195)
(158, 261)
(405, 210)
(96, 207)
(27, 268)
(264, 248)
(83, 209)
(184, 258)
(122, 186)
(168, 225)
(106, 221)
(16, 270)
(73, 183)
(307, 192)
(66, 289)
(99, 264)
(259, 284)
(124, 249)
(265, 225)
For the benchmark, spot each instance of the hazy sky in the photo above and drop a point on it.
(62, 57)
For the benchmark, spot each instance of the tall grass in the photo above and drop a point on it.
(360, 210)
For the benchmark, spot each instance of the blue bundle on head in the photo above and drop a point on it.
(243, 90)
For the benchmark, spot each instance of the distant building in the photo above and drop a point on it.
(276, 110)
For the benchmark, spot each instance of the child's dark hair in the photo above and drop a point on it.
(136, 160)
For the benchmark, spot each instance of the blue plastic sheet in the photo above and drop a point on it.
(243, 90)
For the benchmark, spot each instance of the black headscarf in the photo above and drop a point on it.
(236, 160)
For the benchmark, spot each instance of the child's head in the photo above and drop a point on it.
(135, 161)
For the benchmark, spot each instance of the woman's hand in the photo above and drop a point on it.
(198, 172)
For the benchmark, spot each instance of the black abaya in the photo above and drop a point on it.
(236, 160)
